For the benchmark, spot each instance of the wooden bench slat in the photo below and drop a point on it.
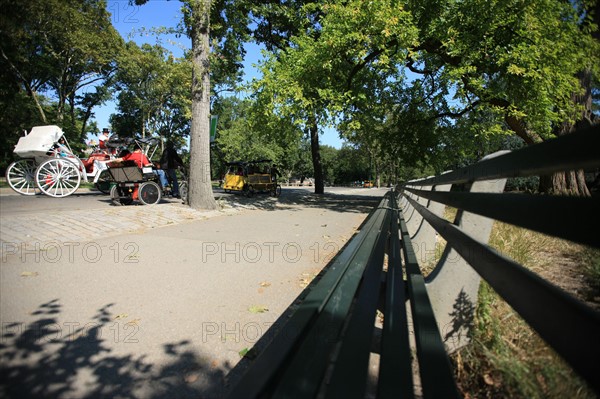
(273, 357)
(573, 151)
(437, 377)
(303, 376)
(571, 215)
(351, 382)
(395, 365)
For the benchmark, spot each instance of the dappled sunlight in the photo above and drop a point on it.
(50, 358)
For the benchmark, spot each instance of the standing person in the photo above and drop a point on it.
(170, 161)
(103, 140)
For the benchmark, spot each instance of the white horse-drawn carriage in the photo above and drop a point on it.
(48, 164)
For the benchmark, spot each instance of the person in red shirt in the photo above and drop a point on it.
(142, 160)
(138, 156)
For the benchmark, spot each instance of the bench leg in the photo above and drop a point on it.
(454, 285)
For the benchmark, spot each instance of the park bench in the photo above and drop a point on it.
(327, 345)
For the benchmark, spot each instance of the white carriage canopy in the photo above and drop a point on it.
(38, 142)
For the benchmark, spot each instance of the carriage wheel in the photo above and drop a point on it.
(58, 177)
(118, 197)
(149, 193)
(104, 182)
(20, 176)
(249, 191)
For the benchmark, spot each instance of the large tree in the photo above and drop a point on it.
(200, 187)
(217, 29)
(277, 24)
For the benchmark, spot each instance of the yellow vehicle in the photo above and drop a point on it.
(368, 184)
(251, 177)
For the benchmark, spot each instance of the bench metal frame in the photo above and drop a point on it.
(324, 348)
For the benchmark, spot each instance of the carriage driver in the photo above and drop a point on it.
(142, 160)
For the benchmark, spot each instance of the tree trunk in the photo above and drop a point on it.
(572, 182)
(377, 182)
(316, 155)
(36, 100)
(200, 193)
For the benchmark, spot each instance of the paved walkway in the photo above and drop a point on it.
(157, 301)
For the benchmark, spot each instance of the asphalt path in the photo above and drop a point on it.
(162, 309)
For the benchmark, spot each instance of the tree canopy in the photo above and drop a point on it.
(57, 59)
(428, 77)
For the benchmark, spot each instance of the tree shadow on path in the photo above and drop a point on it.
(292, 198)
(53, 359)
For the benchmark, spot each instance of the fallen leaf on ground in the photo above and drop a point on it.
(265, 284)
(29, 274)
(258, 309)
(304, 282)
(121, 316)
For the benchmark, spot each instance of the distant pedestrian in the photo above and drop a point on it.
(170, 161)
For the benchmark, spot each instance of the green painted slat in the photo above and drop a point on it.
(573, 218)
(258, 378)
(395, 366)
(303, 375)
(437, 377)
(350, 382)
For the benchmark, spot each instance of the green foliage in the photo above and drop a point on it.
(54, 50)
(153, 93)
(352, 164)
(329, 158)
(434, 81)
(520, 56)
(246, 133)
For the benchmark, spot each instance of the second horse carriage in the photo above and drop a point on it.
(48, 165)
(252, 177)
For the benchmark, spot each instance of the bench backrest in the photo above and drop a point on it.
(568, 325)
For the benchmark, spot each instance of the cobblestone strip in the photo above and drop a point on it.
(78, 226)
